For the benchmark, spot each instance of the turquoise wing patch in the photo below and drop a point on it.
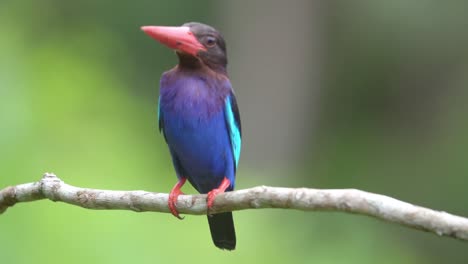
(234, 126)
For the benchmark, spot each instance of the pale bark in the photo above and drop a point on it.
(345, 200)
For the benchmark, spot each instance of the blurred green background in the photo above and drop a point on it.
(345, 94)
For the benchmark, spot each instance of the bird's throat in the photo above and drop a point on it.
(188, 61)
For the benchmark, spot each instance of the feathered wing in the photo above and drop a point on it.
(234, 126)
(222, 225)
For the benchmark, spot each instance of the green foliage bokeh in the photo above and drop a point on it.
(78, 93)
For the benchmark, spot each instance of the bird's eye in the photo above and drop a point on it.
(210, 41)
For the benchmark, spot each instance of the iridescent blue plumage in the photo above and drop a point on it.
(198, 115)
(199, 123)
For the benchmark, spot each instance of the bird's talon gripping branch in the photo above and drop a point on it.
(213, 193)
(173, 195)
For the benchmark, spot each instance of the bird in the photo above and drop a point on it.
(199, 118)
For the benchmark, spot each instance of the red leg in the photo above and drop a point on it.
(212, 194)
(173, 195)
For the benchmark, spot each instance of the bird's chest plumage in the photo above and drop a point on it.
(195, 129)
(192, 100)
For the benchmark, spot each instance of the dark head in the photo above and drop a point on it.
(193, 42)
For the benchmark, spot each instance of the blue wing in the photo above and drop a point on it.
(233, 123)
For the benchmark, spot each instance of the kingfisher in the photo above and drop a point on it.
(199, 119)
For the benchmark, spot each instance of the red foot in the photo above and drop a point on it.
(173, 195)
(212, 194)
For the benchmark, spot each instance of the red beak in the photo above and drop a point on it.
(177, 38)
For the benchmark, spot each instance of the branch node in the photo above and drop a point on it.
(50, 185)
(7, 198)
(49, 175)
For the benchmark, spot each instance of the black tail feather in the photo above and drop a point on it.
(222, 230)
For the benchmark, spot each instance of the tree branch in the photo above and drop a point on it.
(345, 200)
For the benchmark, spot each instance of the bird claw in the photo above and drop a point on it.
(172, 203)
(173, 195)
(211, 197)
(213, 193)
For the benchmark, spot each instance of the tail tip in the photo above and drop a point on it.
(225, 244)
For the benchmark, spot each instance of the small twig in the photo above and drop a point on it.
(345, 200)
